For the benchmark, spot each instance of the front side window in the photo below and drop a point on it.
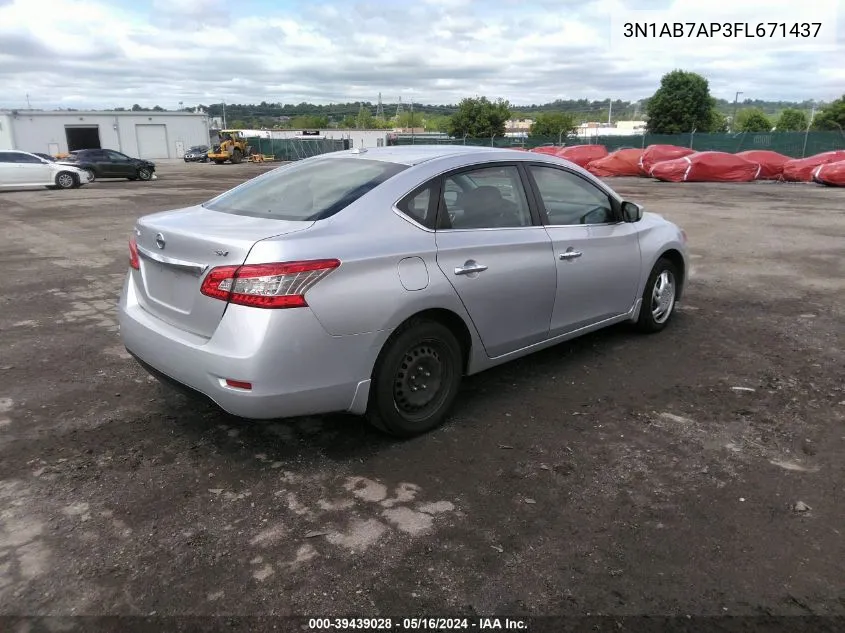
(116, 156)
(489, 197)
(570, 199)
(306, 191)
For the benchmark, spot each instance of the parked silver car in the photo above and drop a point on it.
(371, 281)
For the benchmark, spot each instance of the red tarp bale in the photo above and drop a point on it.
(582, 154)
(653, 154)
(622, 162)
(801, 169)
(832, 174)
(771, 163)
(552, 150)
(706, 167)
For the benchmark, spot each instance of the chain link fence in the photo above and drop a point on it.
(793, 144)
(287, 149)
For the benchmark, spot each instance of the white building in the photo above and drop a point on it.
(138, 134)
(357, 138)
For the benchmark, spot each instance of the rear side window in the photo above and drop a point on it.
(8, 157)
(421, 205)
(306, 191)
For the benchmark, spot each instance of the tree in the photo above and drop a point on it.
(718, 122)
(552, 124)
(752, 120)
(309, 122)
(436, 123)
(681, 104)
(349, 122)
(791, 120)
(832, 116)
(479, 118)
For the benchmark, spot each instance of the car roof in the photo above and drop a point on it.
(416, 154)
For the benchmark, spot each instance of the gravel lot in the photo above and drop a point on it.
(617, 474)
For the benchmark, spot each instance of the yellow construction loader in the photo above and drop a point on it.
(231, 147)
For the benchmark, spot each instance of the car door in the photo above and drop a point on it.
(33, 170)
(498, 258)
(596, 253)
(121, 165)
(98, 160)
(9, 173)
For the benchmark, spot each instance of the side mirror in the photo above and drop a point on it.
(631, 212)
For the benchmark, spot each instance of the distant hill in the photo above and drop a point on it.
(268, 114)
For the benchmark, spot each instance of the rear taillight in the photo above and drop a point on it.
(281, 285)
(134, 262)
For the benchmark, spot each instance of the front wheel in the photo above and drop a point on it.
(144, 173)
(659, 296)
(416, 379)
(236, 157)
(65, 180)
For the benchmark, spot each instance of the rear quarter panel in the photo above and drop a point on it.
(365, 294)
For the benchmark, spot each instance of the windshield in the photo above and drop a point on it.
(306, 191)
(197, 148)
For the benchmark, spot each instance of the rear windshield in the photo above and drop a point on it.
(306, 191)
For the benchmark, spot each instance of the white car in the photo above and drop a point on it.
(22, 169)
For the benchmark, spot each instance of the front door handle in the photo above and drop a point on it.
(571, 255)
(470, 267)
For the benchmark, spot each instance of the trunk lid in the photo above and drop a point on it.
(176, 250)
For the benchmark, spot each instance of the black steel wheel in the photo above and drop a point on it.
(416, 379)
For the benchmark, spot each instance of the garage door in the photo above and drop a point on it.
(152, 141)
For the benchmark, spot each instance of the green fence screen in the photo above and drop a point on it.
(793, 144)
(285, 149)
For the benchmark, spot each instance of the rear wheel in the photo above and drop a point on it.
(65, 180)
(236, 156)
(416, 379)
(144, 173)
(659, 297)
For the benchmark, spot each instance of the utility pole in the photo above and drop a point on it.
(28, 106)
(807, 132)
(609, 110)
(224, 115)
(733, 118)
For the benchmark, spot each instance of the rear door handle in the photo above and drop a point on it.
(469, 268)
(571, 255)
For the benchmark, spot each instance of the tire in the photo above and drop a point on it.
(66, 180)
(658, 305)
(236, 157)
(420, 355)
(144, 173)
(219, 162)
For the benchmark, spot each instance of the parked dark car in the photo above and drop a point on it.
(107, 163)
(197, 154)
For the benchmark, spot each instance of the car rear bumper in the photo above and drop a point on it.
(295, 367)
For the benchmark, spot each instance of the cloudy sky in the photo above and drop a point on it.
(107, 53)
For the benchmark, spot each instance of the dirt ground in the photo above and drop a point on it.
(616, 474)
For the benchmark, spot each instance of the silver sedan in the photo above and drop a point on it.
(372, 281)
